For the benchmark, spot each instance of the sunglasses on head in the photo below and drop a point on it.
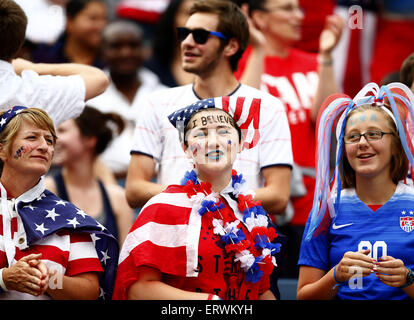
(200, 35)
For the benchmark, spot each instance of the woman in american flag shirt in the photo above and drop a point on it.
(42, 254)
(206, 239)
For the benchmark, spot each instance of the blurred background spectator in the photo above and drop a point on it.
(123, 55)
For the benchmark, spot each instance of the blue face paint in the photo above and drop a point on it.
(362, 118)
(373, 117)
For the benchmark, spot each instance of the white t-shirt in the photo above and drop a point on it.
(62, 97)
(156, 137)
(117, 154)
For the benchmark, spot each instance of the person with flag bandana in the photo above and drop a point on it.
(205, 239)
(49, 249)
(212, 41)
(359, 239)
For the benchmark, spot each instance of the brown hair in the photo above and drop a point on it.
(399, 161)
(407, 71)
(13, 22)
(93, 123)
(231, 22)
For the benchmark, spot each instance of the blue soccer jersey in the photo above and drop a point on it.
(387, 231)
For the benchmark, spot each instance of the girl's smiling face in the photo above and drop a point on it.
(212, 140)
(369, 158)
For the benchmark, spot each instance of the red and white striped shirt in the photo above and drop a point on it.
(69, 253)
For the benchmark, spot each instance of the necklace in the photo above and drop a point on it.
(257, 258)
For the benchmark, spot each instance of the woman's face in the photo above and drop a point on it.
(69, 145)
(369, 158)
(31, 151)
(87, 26)
(282, 20)
(212, 141)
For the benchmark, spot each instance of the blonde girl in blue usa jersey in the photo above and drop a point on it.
(359, 238)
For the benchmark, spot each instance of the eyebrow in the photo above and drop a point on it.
(37, 133)
(224, 126)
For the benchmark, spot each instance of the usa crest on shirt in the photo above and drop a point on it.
(407, 220)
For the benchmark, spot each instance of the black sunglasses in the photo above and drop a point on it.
(200, 35)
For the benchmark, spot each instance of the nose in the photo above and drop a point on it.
(213, 138)
(363, 143)
(188, 41)
(43, 145)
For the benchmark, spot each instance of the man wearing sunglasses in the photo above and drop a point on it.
(212, 42)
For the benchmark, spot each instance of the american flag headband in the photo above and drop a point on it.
(9, 115)
(340, 108)
(244, 111)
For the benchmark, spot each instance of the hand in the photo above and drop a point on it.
(392, 271)
(20, 64)
(41, 266)
(351, 261)
(256, 37)
(331, 34)
(23, 277)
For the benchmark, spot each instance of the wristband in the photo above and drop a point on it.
(324, 62)
(2, 284)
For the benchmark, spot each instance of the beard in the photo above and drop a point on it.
(205, 66)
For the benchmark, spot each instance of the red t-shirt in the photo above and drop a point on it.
(294, 81)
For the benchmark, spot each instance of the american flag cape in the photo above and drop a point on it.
(32, 210)
(164, 236)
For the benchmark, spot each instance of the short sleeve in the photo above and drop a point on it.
(315, 251)
(82, 255)
(275, 140)
(62, 97)
(147, 134)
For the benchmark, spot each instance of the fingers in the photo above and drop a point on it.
(355, 263)
(33, 256)
(391, 271)
(331, 33)
(28, 275)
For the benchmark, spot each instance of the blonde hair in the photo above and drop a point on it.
(37, 117)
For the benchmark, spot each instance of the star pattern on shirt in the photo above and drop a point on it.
(105, 256)
(47, 213)
(73, 222)
(61, 202)
(41, 228)
(52, 214)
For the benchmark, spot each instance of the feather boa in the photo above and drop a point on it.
(256, 259)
